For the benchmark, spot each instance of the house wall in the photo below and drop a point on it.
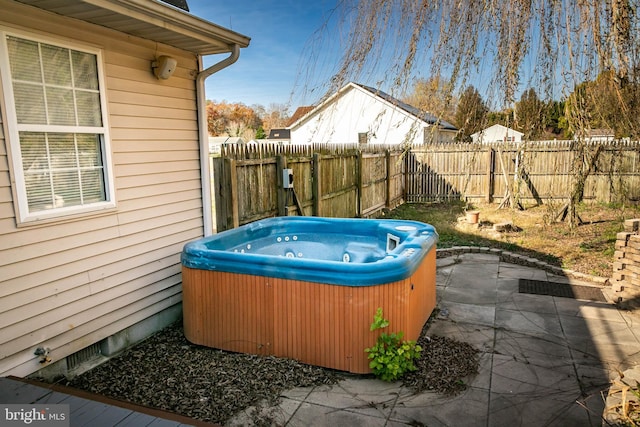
(68, 284)
(357, 111)
(439, 136)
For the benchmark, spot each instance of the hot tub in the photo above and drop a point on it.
(307, 288)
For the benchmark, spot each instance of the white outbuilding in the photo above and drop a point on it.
(497, 133)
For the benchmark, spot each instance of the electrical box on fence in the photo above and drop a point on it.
(287, 178)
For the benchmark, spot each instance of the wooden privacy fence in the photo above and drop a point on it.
(359, 181)
(249, 182)
(531, 172)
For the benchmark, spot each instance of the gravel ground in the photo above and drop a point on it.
(167, 372)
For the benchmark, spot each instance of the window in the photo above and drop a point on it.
(363, 138)
(57, 128)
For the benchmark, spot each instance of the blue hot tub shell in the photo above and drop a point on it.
(341, 251)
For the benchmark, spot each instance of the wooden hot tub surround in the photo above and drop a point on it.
(316, 323)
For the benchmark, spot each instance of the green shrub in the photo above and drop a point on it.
(391, 357)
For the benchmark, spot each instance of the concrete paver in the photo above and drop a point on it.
(429, 409)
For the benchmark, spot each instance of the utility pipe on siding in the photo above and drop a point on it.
(201, 98)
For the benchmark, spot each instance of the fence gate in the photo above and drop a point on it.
(255, 182)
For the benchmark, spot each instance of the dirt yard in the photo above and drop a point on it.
(587, 248)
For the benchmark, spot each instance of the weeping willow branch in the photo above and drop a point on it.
(554, 45)
(557, 43)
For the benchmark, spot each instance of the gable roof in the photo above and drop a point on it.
(596, 133)
(422, 115)
(299, 113)
(427, 118)
(149, 19)
(497, 128)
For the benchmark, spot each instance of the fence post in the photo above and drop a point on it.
(389, 177)
(233, 187)
(491, 157)
(218, 182)
(359, 184)
(407, 187)
(315, 184)
(281, 164)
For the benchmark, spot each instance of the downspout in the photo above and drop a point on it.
(205, 172)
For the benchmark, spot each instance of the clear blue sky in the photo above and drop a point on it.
(267, 70)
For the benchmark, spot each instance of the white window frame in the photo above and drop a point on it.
(23, 216)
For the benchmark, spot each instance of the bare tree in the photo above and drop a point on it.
(276, 116)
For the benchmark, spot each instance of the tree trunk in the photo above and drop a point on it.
(584, 164)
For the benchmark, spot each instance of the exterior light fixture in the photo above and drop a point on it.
(164, 66)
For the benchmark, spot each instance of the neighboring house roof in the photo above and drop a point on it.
(597, 133)
(496, 133)
(299, 113)
(413, 111)
(422, 115)
(276, 141)
(150, 19)
(216, 143)
(279, 134)
(600, 132)
(225, 140)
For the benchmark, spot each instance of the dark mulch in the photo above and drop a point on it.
(167, 372)
(444, 366)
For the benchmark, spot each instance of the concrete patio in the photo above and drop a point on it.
(543, 361)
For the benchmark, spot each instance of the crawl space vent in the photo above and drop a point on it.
(83, 356)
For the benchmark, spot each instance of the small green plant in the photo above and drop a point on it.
(391, 357)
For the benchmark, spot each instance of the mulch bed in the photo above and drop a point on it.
(169, 373)
(444, 366)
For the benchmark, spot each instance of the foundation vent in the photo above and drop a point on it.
(84, 356)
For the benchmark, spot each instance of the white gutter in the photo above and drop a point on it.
(205, 172)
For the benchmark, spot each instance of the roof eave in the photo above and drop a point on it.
(152, 20)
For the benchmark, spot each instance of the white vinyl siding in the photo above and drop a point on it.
(68, 283)
(58, 128)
